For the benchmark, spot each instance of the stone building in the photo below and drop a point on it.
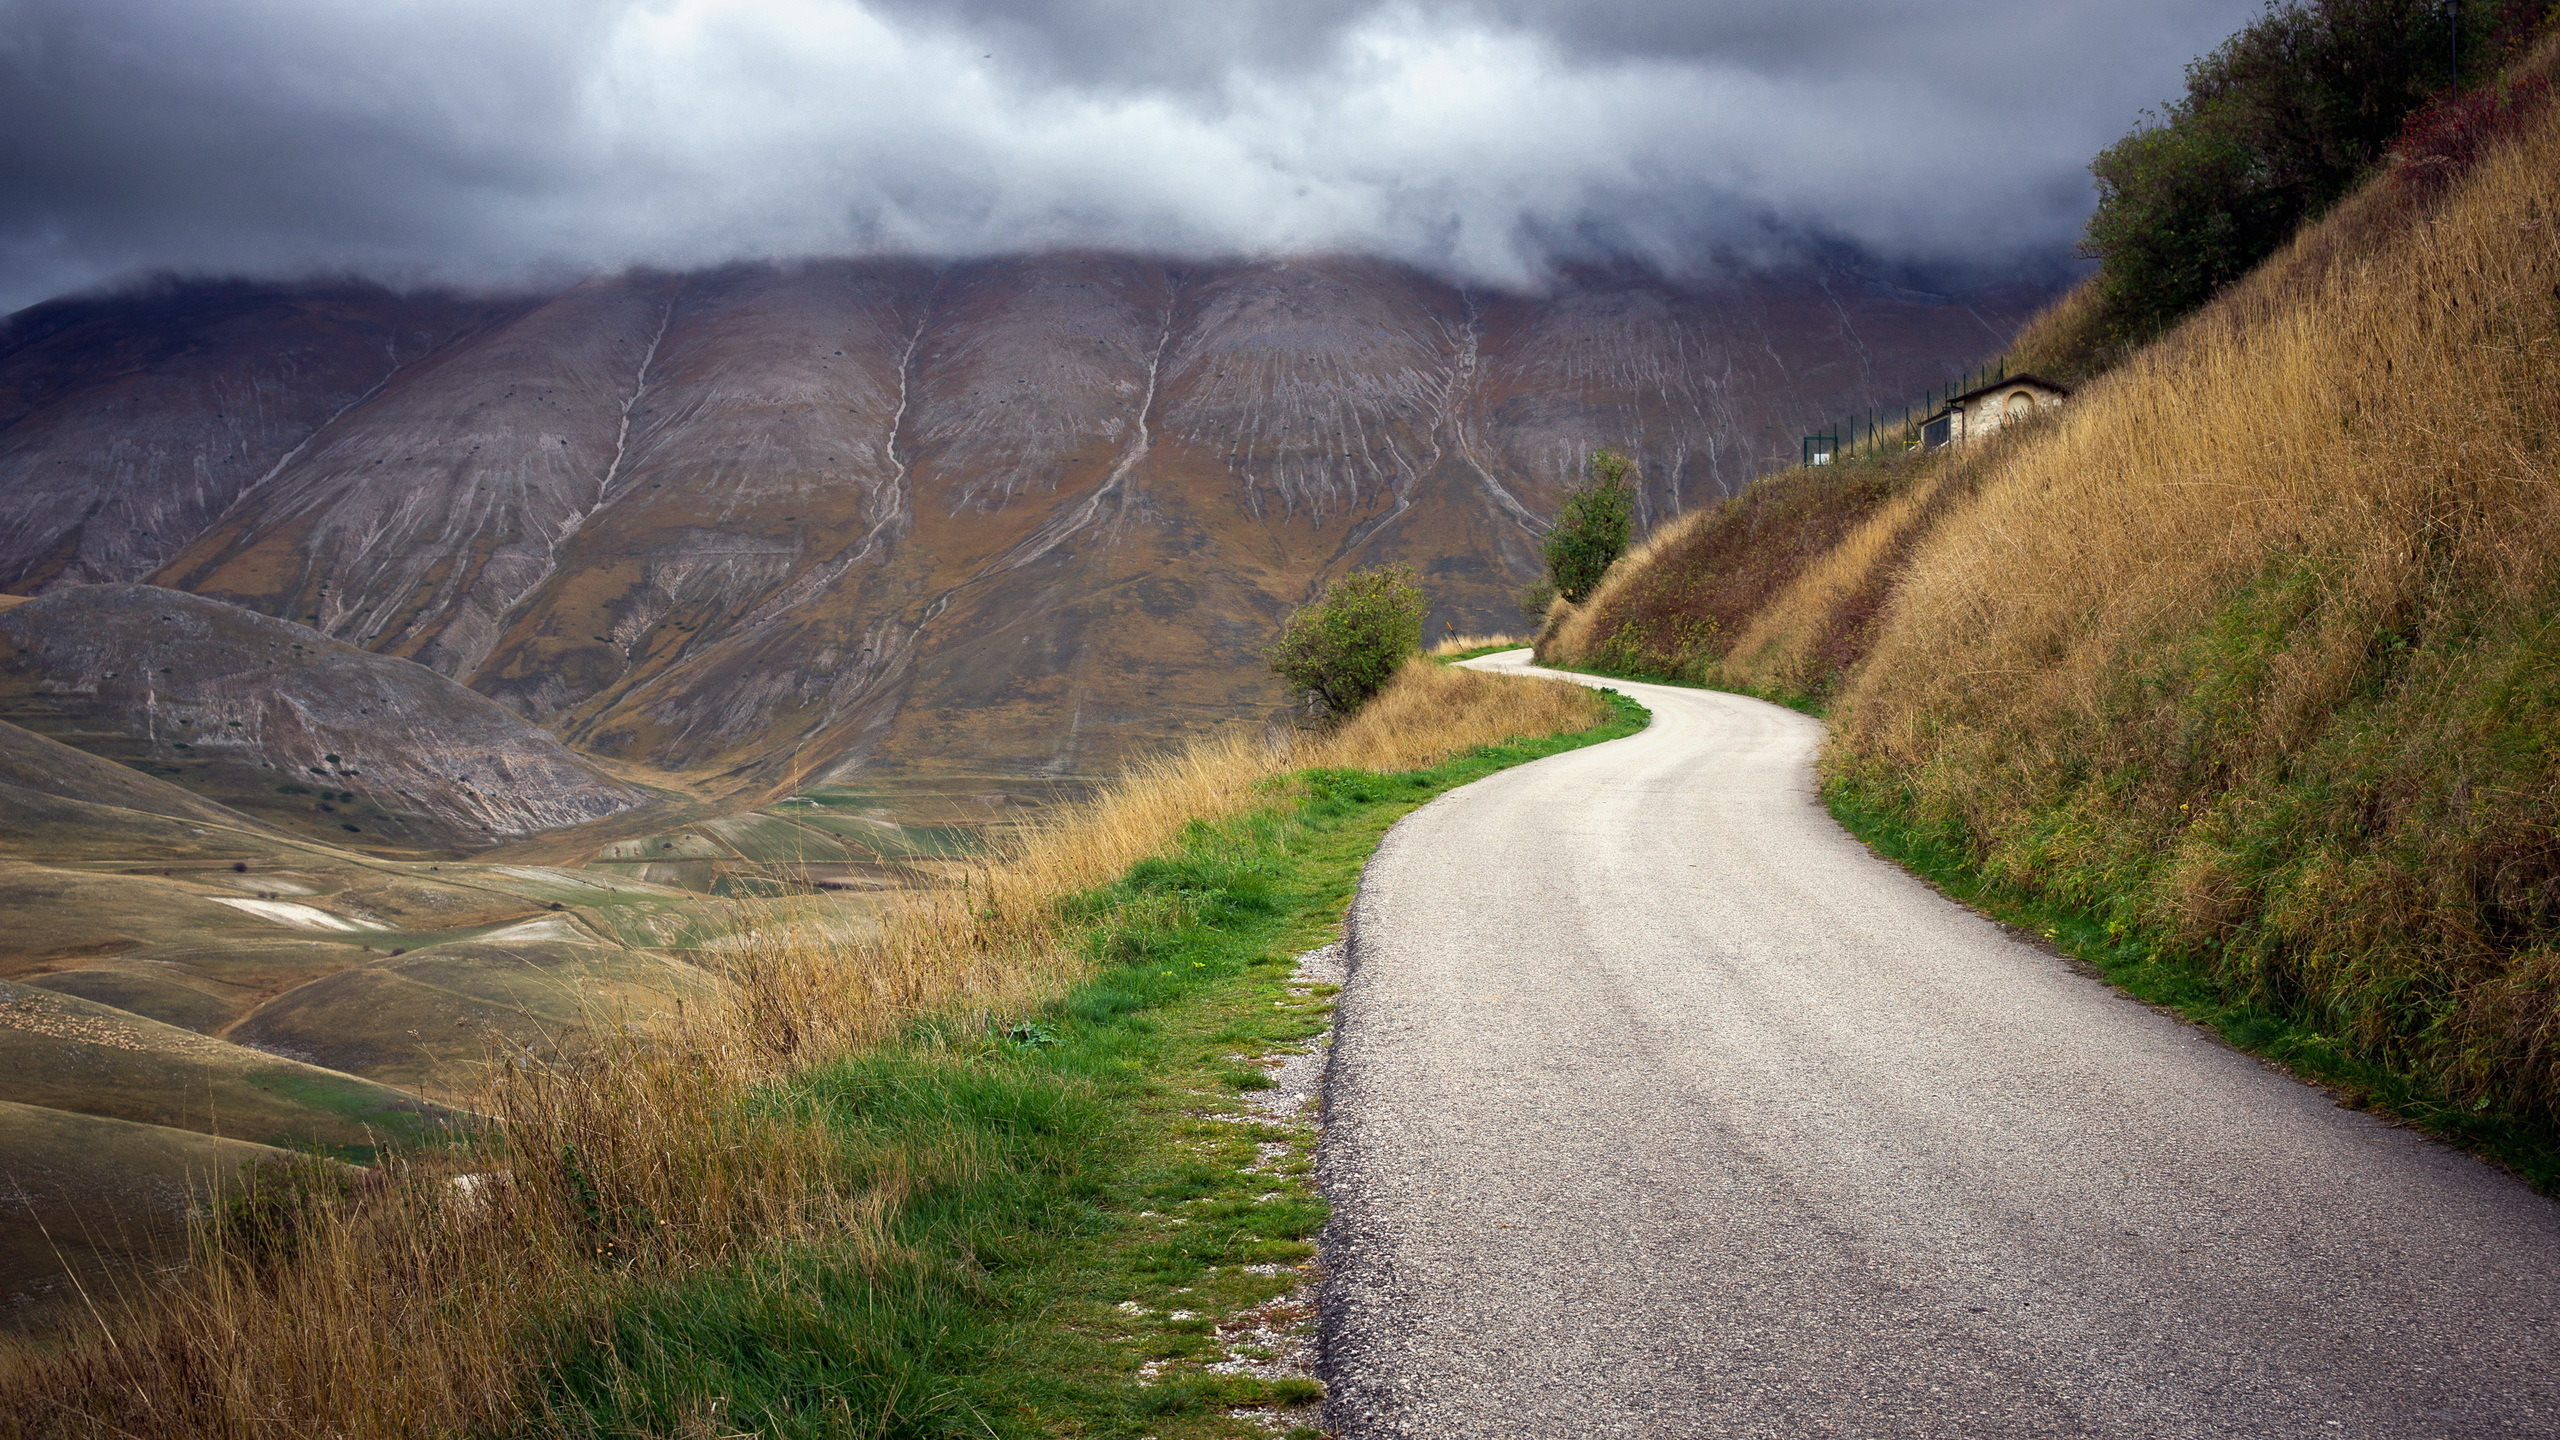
(1985, 408)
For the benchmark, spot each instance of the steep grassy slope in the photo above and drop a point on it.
(2255, 650)
(1679, 605)
(2258, 650)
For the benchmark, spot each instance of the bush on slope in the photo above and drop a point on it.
(1672, 607)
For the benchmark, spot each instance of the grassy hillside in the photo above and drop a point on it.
(172, 967)
(906, 1181)
(2253, 652)
(1775, 592)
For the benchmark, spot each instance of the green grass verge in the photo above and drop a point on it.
(401, 1123)
(1090, 1199)
(1802, 704)
(2185, 985)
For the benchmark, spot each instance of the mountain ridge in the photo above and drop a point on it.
(1027, 516)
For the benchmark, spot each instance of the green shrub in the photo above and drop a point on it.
(2275, 128)
(1341, 650)
(2178, 218)
(1593, 528)
(264, 1213)
(1536, 600)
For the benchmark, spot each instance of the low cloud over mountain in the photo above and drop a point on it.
(497, 140)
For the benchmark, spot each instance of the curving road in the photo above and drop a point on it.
(1661, 1107)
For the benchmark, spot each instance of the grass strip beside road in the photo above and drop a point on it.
(1455, 654)
(1801, 704)
(1081, 1200)
(2188, 986)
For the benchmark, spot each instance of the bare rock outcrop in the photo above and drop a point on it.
(281, 722)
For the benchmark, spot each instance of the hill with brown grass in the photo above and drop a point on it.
(185, 988)
(274, 719)
(2249, 651)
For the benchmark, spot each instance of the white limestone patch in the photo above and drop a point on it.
(285, 912)
(534, 931)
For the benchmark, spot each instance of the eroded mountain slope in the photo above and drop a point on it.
(1013, 516)
(128, 425)
(275, 719)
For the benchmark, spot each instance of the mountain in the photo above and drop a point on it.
(767, 524)
(661, 592)
(276, 720)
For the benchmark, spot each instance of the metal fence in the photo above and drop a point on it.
(1911, 425)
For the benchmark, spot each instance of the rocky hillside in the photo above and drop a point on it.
(1013, 517)
(276, 720)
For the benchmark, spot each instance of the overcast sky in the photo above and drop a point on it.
(498, 140)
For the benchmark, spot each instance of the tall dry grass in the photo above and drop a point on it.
(1677, 604)
(1456, 644)
(2258, 646)
(412, 1304)
(1435, 711)
(1791, 644)
(2065, 343)
(1816, 624)
(1572, 633)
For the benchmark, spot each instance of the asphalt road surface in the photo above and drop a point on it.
(1662, 1107)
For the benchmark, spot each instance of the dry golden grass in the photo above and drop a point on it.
(1676, 605)
(2255, 646)
(1785, 645)
(407, 1309)
(1454, 644)
(2258, 643)
(2062, 344)
(1815, 624)
(1435, 711)
(1571, 632)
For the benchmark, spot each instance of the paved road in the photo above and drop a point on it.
(1661, 1107)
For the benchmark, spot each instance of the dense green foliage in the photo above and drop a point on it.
(2275, 127)
(1593, 527)
(1537, 600)
(1078, 1205)
(1344, 648)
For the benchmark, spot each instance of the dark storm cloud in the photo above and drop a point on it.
(485, 140)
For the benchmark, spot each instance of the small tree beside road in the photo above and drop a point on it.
(1344, 648)
(1592, 529)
